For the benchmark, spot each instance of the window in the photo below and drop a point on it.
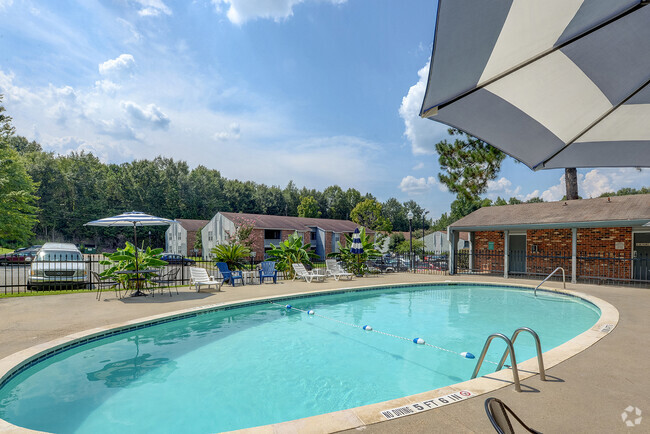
(271, 234)
(209, 235)
(313, 235)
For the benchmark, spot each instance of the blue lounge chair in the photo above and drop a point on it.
(229, 275)
(268, 270)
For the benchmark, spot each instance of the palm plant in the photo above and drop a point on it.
(232, 254)
(356, 263)
(292, 251)
(125, 260)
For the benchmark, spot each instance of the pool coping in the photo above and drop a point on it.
(352, 418)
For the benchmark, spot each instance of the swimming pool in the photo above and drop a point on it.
(261, 364)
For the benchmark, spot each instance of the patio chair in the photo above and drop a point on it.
(267, 269)
(228, 275)
(97, 281)
(199, 277)
(335, 270)
(168, 280)
(497, 412)
(302, 273)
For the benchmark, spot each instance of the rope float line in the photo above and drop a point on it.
(369, 328)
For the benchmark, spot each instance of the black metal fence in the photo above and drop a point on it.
(602, 270)
(82, 273)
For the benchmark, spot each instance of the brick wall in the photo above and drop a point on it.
(191, 239)
(596, 251)
(329, 248)
(490, 261)
(257, 237)
(553, 250)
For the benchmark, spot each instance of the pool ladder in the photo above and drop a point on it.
(510, 350)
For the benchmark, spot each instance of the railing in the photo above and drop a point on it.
(549, 276)
(510, 351)
(515, 372)
(15, 277)
(602, 269)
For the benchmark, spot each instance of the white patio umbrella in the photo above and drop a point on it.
(135, 219)
(553, 83)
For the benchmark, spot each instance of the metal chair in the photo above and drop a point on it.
(497, 412)
(167, 280)
(96, 280)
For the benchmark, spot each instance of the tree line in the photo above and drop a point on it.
(70, 190)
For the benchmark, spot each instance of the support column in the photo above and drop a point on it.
(506, 253)
(451, 237)
(574, 254)
(471, 251)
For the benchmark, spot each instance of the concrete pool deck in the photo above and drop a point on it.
(586, 393)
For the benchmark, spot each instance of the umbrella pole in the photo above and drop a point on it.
(137, 275)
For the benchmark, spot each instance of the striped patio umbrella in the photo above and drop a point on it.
(135, 219)
(552, 83)
(356, 247)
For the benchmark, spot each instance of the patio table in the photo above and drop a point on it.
(138, 279)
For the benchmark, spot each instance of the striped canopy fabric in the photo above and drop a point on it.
(356, 248)
(133, 218)
(553, 83)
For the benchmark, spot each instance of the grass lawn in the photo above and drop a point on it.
(3, 250)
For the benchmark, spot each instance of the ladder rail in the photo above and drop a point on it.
(549, 276)
(538, 345)
(515, 372)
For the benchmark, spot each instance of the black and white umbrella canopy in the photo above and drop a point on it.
(133, 218)
(553, 83)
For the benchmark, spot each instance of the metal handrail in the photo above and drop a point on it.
(515, 372)
(549, 276)
(540, 360)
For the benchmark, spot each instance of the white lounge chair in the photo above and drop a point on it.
(335, 270)
(302, 273)
(199, 277)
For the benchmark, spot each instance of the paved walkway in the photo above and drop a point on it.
(587, 393)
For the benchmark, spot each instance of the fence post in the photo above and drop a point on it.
(574, 254)
(506, 253)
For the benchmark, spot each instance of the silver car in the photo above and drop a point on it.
(58, 265)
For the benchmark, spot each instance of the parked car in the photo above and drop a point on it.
(58, 265)
(16, 258)
(383, 265)
(173, 258)
(23, 255)
(399, 264)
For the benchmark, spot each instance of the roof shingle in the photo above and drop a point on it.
(614, 210)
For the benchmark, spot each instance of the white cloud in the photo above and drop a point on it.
(502, 187)
(422, 133)
(135, 36)
(232, 133)
(150, 116)
(153, 8)
(593, 184)
(107, 86)
(412, 185)
(419, 166)
(117, 129)
(240, 11)
(119, 67)
(4, 4)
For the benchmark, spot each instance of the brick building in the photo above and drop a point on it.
(181, 235)
(602, 238)
(322, 234)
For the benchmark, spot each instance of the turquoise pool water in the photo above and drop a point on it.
(262, 364)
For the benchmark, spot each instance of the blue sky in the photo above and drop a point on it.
(321, 92)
